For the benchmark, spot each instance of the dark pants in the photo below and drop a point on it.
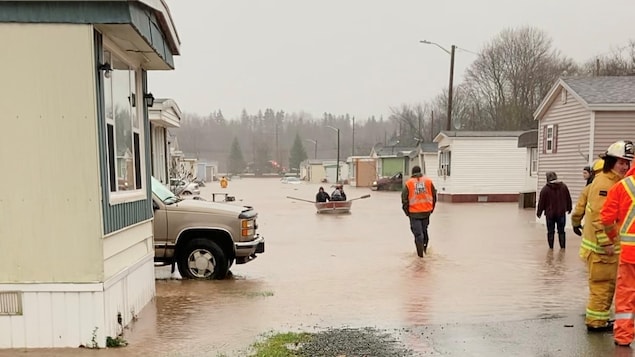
(551, 230)
(419, 228)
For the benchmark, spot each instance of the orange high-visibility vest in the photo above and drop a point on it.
(420, 197)
(618, 217)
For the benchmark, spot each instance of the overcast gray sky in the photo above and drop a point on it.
(357, 56)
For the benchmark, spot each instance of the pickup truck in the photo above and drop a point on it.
(203, 238)
(392, 183)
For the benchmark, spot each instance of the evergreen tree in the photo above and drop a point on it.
(236, 160)
(298, 153)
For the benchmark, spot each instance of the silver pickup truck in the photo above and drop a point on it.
(203, 238)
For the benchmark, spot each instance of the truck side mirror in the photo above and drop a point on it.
(155, 206)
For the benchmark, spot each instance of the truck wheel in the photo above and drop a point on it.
(203, 259)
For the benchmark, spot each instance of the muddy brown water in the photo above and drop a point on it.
(486, 263)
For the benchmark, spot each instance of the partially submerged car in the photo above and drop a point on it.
(392, 183)
(203, 238)
(185, 188)
(291, 180)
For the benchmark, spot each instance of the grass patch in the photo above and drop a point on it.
(280, 345)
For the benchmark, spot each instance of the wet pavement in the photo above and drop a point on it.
(488, 287)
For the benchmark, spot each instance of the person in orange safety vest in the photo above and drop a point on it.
(597, 250)
(618, 218)
(418, 199)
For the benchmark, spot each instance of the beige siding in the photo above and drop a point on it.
(487, 166)
(572, 143)
(50, 223)
(611, 127)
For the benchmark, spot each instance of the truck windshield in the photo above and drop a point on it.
(162, 192)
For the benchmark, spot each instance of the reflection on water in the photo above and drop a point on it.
(486, 262)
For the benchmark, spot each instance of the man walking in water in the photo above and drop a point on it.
(418, 199)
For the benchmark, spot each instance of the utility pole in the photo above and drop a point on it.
(432, 127)
(353, 149)
(449, 125)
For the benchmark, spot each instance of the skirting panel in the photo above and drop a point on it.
(70, 315)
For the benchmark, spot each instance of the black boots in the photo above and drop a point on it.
(420, 249)
(550, 237)
(562, 240)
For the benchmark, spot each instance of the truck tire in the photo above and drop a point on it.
(202, 259)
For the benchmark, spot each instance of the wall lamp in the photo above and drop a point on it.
(149, 98)
(106, 68)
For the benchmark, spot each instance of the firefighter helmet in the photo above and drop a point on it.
(622, 149)
(598, 165)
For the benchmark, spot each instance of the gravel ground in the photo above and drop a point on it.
(351, 342)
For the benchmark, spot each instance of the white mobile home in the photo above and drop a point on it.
(480, 166)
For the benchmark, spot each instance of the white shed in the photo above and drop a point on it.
(480, 166)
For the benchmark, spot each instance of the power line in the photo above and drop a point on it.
(468, 51)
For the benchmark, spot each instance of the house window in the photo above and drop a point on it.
(533, 162)
(550, 138)
(123, 127)
(445, 163)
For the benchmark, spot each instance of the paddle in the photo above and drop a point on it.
(360, 198)
(300, 199)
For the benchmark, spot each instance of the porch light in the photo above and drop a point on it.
(106, 68)
(149, 98)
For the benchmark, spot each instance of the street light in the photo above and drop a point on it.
(315, 150)
(451, 53)
(337, 169)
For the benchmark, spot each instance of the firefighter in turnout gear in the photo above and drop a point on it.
(580, 207)
(597, 250)
(618, 218)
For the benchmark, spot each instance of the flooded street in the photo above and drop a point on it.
(487, 263)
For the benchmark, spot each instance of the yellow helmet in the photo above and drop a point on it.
(598, 165)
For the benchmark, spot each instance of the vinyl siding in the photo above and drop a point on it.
(485, 165)
(120, 216)
(50, 222)
(611, 127)
(573, 138)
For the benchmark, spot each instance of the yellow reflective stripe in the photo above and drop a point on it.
(628, 222)
(603, 239)
(587, 244)
(599, 315)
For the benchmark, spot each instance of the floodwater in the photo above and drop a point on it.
(486, 263)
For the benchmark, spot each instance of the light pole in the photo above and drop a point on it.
(337, 167)
(451, 53)
(315, 149)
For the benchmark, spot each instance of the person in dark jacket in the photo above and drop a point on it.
(338, 194)
(554, 202)
(322, 196)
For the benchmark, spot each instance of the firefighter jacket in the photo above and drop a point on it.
(593, 237)
(618, 216)
(580, 208)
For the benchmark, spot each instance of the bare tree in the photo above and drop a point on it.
(619, 62)
(511, 76)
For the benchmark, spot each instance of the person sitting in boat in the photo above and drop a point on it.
(322, 196)
(338, 194)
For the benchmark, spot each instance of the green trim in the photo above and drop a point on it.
(91, 12)
(119, 216)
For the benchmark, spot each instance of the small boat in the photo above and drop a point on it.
(334, 206)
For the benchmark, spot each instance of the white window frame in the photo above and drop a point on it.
(445, 162)
(118, 197)
(533, 161)
(549, 139)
